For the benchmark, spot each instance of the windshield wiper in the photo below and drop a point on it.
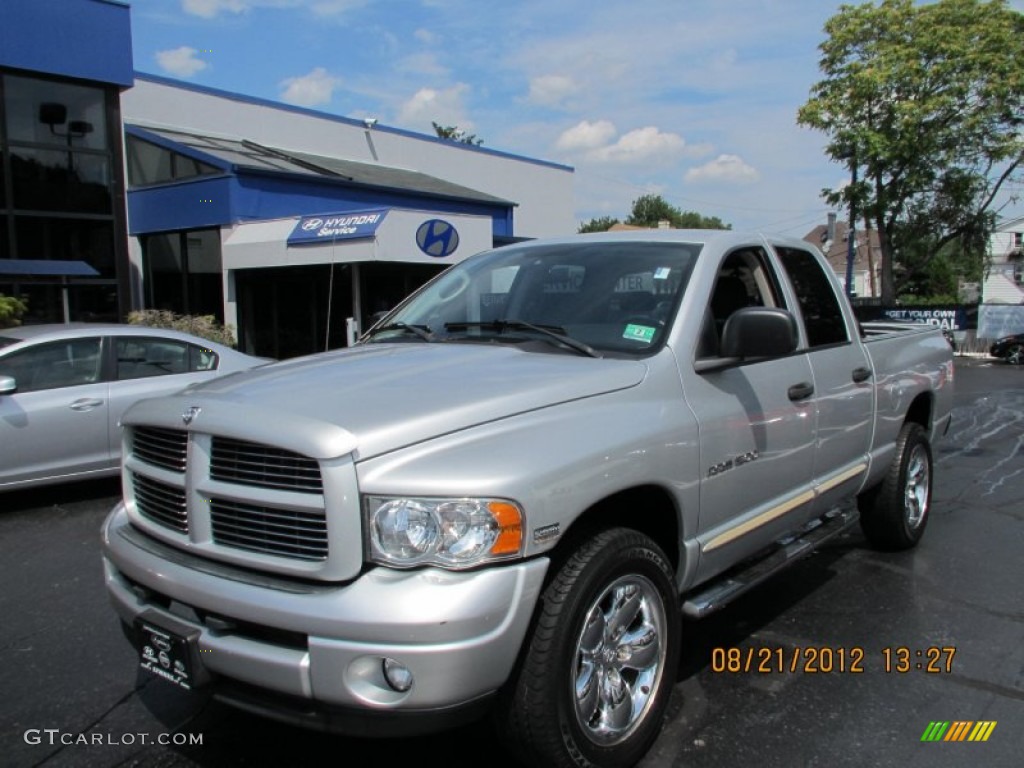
(423, 331)
(555, 332)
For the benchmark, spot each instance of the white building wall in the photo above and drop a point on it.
(543, 191)
(1004, 283)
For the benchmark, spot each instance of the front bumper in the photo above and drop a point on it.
(459, 633)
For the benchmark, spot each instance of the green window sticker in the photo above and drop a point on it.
(644, 333)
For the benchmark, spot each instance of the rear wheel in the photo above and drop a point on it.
(596, 674)
(894, 514)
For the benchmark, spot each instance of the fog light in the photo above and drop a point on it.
(398, 675)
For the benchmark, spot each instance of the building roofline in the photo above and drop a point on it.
(262, 102)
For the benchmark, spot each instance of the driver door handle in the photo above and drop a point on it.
(861, 374)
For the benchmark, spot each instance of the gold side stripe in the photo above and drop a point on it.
(777, 511)
(755, 522)
(839, 479)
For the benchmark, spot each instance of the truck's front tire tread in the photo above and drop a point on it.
(539, 716)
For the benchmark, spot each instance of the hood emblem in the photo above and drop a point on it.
(190, 414)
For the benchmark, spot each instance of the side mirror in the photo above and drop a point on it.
(759, 332)
(8, 386)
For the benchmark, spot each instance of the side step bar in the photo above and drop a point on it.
(718, 593)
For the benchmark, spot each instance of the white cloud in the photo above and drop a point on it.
(426, 37)
(440, 106)
(335, 7)
(729, 168)
(551, 90)
(586, 135)
(311, 89)
(641, 144)
(210, 8)
(180, 61)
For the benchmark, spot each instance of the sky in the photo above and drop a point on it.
(694, 100)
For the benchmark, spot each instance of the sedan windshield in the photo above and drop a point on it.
(595, 298)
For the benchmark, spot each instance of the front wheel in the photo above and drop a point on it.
(894, 514)
(1015, 355)
(596, 674)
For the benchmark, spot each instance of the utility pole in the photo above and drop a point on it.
(851, 236)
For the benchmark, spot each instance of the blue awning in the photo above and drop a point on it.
(46, 268)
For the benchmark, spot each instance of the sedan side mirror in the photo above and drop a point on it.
(8, 386)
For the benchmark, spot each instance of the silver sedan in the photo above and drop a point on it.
(63, 389)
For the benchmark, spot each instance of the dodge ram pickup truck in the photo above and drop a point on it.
(508, 494)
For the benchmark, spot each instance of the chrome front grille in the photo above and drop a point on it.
(242, 498)
(263, 466)
(163, 504)
(269, 530)
(165, 448)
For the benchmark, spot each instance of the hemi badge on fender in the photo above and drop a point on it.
(546, 533)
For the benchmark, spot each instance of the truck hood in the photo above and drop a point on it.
(381, 397)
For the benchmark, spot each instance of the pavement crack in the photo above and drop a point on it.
(984, 685)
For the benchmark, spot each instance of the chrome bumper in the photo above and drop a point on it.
(457, 633)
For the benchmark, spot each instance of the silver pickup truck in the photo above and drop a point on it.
(505, 497)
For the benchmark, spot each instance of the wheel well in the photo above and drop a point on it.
(920, 411)
(647, 508)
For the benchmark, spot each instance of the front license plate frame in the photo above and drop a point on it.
(169, 649)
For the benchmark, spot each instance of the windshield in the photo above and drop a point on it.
(612, 298)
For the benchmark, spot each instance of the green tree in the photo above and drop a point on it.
(601, 224)
(925, 103)
(650, 210)
(454, 133)
(11, 310)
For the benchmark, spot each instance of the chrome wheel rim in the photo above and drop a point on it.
(916, 490)
(1015, 355)
(619, 659)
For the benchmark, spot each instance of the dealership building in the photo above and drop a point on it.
(121, 190)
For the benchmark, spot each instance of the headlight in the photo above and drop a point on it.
(453, 533)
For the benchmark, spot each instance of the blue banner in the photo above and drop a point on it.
(950, 317)
(336, 226)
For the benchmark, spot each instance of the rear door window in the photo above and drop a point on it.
(140, 357)
(815, 292)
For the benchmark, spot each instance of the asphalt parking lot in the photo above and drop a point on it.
(71, 695)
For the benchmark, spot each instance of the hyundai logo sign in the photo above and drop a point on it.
(310, 224)
(437, 238)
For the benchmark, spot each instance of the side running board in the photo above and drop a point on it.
(721, 591)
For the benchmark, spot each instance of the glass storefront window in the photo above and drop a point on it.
(151, 164)
(183, 272)
(47, 112)
(70, 239)
(60, 196)
(45, 180)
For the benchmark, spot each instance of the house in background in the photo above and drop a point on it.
(1004, 281)
(867, 273)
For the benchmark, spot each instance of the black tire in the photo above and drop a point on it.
(1015, 354)
(606, 633)
(893, 515)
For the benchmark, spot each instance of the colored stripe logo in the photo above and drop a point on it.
(958, 730)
